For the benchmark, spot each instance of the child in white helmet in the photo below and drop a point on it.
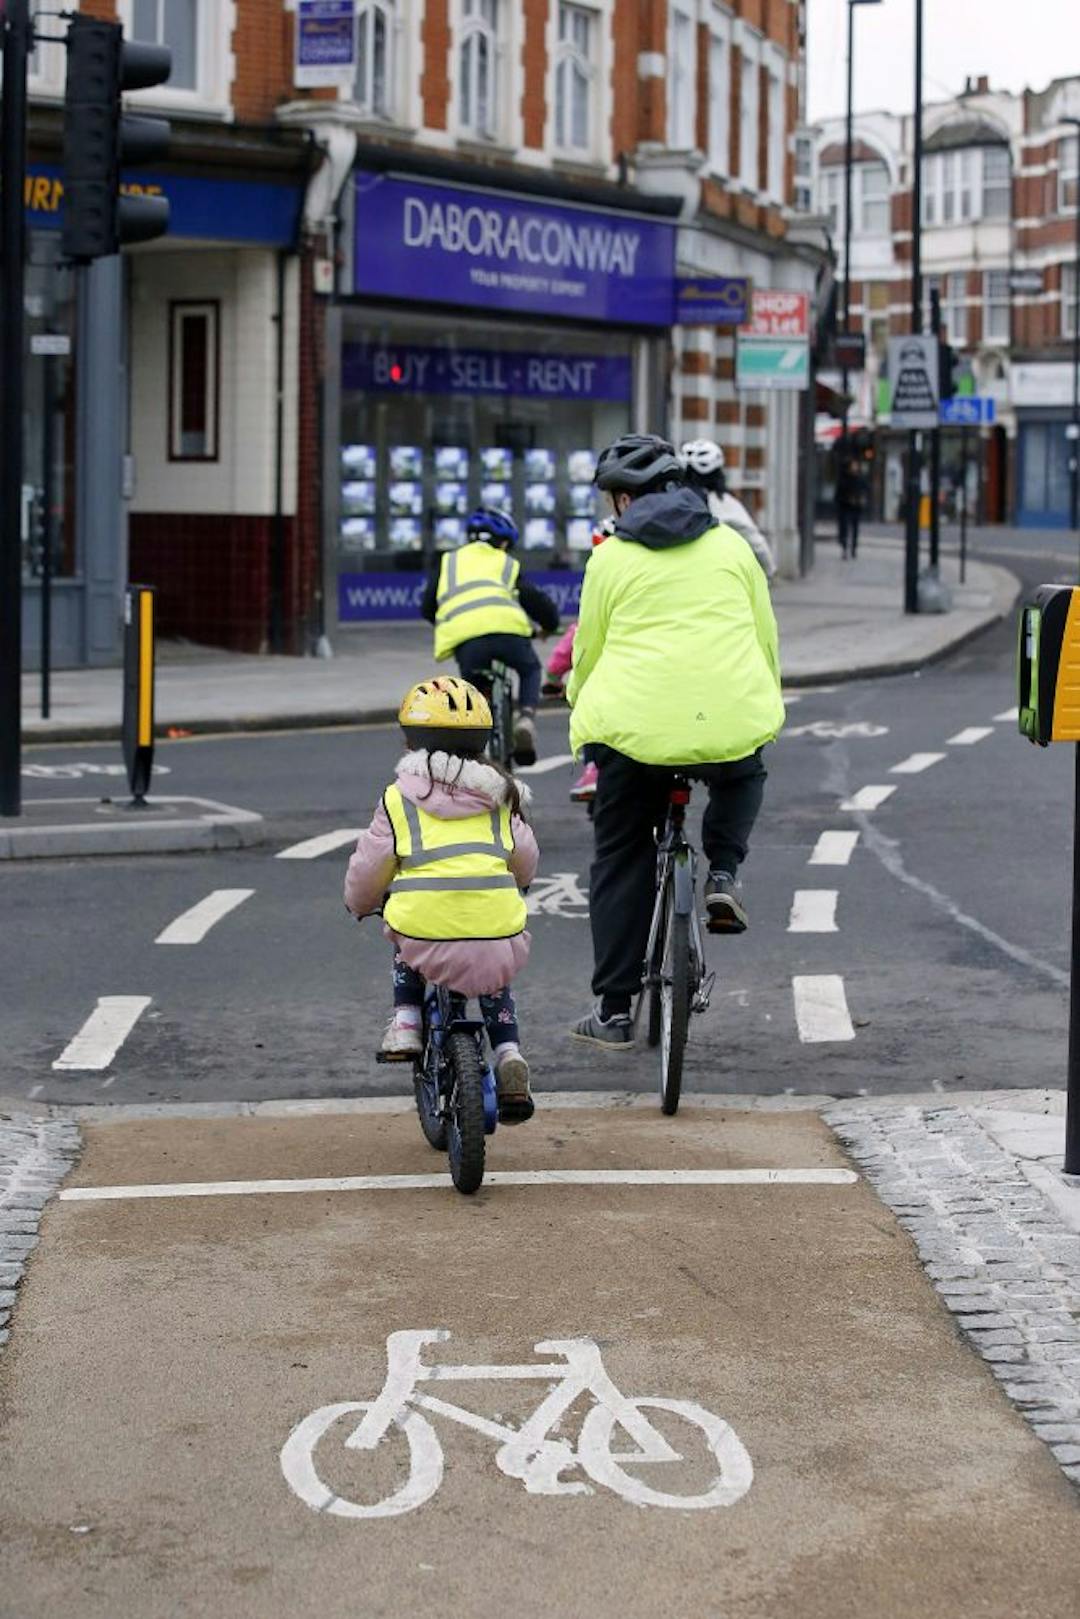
(703, 462)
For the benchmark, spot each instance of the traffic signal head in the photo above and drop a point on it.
(947, 358)
(99, 138)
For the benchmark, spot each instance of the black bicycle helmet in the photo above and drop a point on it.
(636, 462)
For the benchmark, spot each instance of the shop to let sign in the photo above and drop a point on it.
(773, 349)
(325, 43)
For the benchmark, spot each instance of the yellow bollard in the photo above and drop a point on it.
(924, 511)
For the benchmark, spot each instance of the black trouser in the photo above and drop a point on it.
(631, 803)
(847, 520)
(516, 651)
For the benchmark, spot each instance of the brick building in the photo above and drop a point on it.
(449, 279)
(998, 243)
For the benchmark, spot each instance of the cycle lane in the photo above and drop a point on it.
(164, 1350)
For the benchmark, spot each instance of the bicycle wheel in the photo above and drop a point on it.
(465, 1137)
(674, 1003)
(426, 1090)
(298, 1462)
(735, 1471)
(504, 725)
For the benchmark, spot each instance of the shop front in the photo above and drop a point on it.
(489, 346)
(1042, 395)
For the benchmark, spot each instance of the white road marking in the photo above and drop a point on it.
(821, 1010)
(311, 848)
(503, 1177)
(970, 735)
(192, 926)
(558, 893)
(35, 1090)
(103, 1033)
(1009, 717)
(916, 762)
(542, 766)
(868, 798)
(834, 730)
(833, 849)
(813, 910)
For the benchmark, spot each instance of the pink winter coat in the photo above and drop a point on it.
(562, 655)
(432, 782)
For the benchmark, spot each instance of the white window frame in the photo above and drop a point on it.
(215, 63)
(1068, 173)
(1069, 299)
(719, 110)
(862, 201)
(564, 55)
(954, 308)
(682, 70)
(776, 138)
(367, 14)
(181, 310)
(985, 188)
(831, 197)
(749, 172)
(1000, 301)
(471, 28)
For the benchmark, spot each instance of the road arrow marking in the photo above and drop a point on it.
(192, 926)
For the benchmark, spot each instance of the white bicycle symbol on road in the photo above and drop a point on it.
(528, 1453)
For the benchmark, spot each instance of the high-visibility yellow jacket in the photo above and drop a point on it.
(477, 595)
(453, 879)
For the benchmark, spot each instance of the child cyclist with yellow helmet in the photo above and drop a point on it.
(445, 858)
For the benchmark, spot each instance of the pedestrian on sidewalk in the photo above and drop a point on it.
(445, 859)
(852, 493)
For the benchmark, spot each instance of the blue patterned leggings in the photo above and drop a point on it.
(498, 1011)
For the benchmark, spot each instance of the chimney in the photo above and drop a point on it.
(982, 85)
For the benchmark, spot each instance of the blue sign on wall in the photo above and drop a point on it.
(365, 597)
(325, 42)
(445, 244)
(712, 300)
(207, 209)
(967, 410)
(408, 368)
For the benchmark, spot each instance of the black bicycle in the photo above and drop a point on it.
(674, 982)
(497, 682)
(456, 1095)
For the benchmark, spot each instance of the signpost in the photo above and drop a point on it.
(325, 43)
(913, 368)
(712, 300)
(773, 349)
(967, 410)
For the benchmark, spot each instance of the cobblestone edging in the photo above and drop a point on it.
(998, 1253)
(35, 1155)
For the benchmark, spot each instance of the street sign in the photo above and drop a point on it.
(50, 343)
(967, 410)
(325, 43)
(711, 300)
(913, 370)
(773, 349)
(850, 351)
(1025, 281)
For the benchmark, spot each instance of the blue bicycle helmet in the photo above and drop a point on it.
(498, 528)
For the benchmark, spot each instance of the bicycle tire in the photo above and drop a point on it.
(505, 724)
(465, 1137)
(674, 1004)
(426, 1092)
(735, 1471)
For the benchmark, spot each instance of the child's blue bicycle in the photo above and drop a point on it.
(455, 1087)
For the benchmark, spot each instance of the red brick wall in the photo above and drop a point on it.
(535, 61)
(263, 51)
(435, 84)
(624, 76)
(652, 92)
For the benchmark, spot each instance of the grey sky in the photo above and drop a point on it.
(1018, 47)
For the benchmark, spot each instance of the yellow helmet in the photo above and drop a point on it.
(447, 714)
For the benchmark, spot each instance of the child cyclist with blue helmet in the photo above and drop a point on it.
(445, 859)
(482, 609)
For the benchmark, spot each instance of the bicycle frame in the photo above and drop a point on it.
(445, 1014)
(676, 862)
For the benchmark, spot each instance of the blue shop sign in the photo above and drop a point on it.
(363, 597)
(256, 211)
(446, 244)
(409, 368)
(712, 300)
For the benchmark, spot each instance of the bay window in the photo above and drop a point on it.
(749, 114)
(575, 79)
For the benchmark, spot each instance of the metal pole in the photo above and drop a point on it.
(48, 490)
(847, 200)
(963, 503)
(935, 452)
(911, 546)
(1072, 1109)
(1074, 443)
(12, 179)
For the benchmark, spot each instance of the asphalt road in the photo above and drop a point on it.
(950, 925)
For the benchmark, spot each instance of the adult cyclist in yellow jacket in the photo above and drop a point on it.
(482, 609)
(676, 667)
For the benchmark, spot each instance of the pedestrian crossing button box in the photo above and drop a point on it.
(1048, 666)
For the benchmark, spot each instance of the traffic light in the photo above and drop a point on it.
(947, 358)
(100, 138)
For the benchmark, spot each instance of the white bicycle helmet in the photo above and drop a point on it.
(702, 456)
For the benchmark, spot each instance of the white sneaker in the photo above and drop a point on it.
(512, 1084)
(524, 740)
(404, 1040)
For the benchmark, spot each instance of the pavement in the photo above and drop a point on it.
(186, 1370)
(843, 621)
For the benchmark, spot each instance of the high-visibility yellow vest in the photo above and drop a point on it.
(453, 880)
(476, 596)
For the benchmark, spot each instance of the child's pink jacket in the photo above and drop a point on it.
(432, 782)
(562, 654)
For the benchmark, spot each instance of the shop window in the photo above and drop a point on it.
(375, 58)
(995, 306)
(1069, 301)
(749, 100)
(575, 77)
(173, 23)
(1068, 175)
(682, 79)
(478, 67)
(193, 381)
(719, 97)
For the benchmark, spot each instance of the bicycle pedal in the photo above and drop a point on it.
(397, 1057)
(703, 994)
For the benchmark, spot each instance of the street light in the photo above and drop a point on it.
(1074, 426)
(847, 185)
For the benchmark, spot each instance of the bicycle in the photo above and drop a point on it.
(527, 1453)
(674, 981)
(497, 685)
(454, 1087)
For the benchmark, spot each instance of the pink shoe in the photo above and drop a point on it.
(584, 789)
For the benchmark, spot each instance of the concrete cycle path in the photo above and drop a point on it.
(166, 1347)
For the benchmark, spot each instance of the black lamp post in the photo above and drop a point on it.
(1074, 425)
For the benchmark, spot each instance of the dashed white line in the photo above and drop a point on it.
(502, 1177)
(868, 798)
(833, 849)
(103, 1033)
(555, 762)
(821, 1010)
(192, 926)
(970, 735)
(813, 910)
(311, 848)
(1009, 717)
(916, 762)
